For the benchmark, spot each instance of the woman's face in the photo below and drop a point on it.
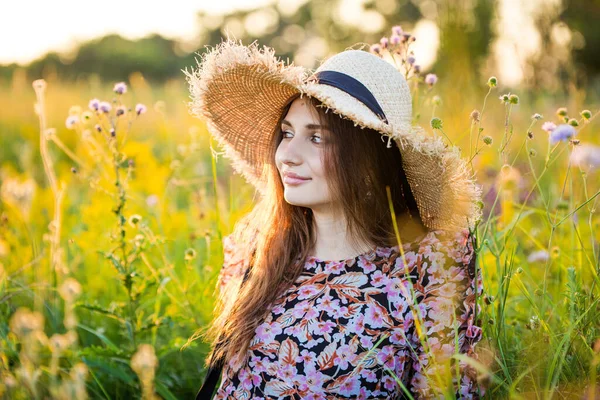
(300, 152)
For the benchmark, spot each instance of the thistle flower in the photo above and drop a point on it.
(561, 112)
(384, 42)
(72, 121)
(120, 88)
(537, 116)
(140, 109)
(538, 256)
(376, 49)
(586, 156)
(134, 220)
(94, 104)
(86, 116)
(411, 60)
(475, 115)
(431, 79)
(70, 289)
(397, 30)
(395, 40)
(436, 123)
(121, 110)
(190, 254)
(417, 68)
(492, 82)
(586, 114)
(548, 126)
(104, 106)
(562, 132)
(24, 322)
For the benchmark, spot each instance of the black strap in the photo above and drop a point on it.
(351, 86)
(206, 392)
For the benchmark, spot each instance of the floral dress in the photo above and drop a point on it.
(346, 327)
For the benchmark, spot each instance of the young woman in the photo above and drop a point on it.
(355, 275)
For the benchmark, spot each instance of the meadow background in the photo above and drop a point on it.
(110, 242)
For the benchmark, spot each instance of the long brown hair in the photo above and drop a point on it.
(275, 233)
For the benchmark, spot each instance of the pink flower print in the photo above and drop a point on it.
(344, 355)
(366, 342)
(266, 332)
(306, 357)
(357, 325)
(312, 313)
(339, 312)
(367, 266)
(398, 337)
(301, 308)
(374, 316)
(378, 279)
(325, 327)
(411, 259)
(369, 375)
(325, 300)
(313, 342)
(287, 372)
(257, 365)
(335, 267)
(388, 382)
(311, 263)
(246, 379)
(473, 332)
(312, 381)
(278, 310)
(350, 386)
(307, 291)
(386, 357)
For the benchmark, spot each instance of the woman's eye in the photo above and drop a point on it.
(285, 133)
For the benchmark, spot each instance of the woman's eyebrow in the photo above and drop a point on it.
(307, 126)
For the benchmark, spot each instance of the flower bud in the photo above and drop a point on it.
(492, 82)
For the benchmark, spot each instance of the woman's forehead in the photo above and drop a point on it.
(302, 111)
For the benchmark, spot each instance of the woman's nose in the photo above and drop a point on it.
(291, 153)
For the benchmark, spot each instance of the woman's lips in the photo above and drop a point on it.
(293, 181)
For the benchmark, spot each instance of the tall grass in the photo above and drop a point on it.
(110, 244)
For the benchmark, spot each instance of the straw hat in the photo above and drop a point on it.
(241, 91)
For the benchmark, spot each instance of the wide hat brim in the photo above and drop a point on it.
(241, 91)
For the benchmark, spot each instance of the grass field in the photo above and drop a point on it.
(110, 245)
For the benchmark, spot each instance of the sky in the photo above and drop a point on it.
(30, 28)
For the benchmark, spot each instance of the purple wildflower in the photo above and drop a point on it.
(397, 30)
(411, 60)
(105, 106)
(140, 109)
(537, 256)
(406, 36)
(431, 79)
(72, 120)
(417, 68)
(384, 42)
(395, 40)
(376, 49)
(120, 88)
(548, 126)
(94, 104)
(586, 156)
(562, 132)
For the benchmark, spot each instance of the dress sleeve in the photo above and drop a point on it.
(233, 264)
(445, 295)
